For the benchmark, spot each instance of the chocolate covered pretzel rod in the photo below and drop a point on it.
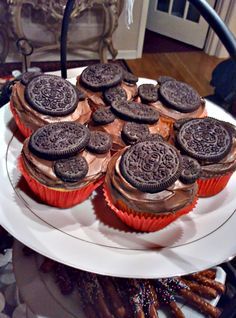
(151, 303)
(113, 296)
(132, 295)
(167, 298)
(177, 286)
(64, 281)
(95, 294)
(204, 291)
(208, 282)
(85, 298)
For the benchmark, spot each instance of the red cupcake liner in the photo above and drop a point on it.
(212, 186)
(26, 132)
(144, 221)
(58, 198)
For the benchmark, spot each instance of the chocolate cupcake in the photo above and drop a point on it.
(213, 144)
(149, 185)
(126, 121)
(64, 162)
(174, 100)
(40, 99)
(104, 83)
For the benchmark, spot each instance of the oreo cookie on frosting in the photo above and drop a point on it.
(148, 93)
(98, 77)
(205, 139)
(151, 166)
(72, 169)
(51, 95)
(132, 111)
(179, 96)
(114, 94)
(59, 140)
(134, 132)
(103, 116)
(99, 142)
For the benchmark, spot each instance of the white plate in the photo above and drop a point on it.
(89, 237)
(48, 302)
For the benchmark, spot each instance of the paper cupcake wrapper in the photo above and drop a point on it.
(55, 197)
(144, 221)
(26, 132)
(212, 186)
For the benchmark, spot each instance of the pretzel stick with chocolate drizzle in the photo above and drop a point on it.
(130, 290)
(175, 285)
(64, 281)
(219, 287)
(166, 298)
(96, 294)
(115, 299)
(151, 303)
(85, 298)
(201, 290)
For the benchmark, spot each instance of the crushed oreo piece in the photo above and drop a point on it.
(99, 142)
(190, 170)
(114, 94)
(103, 116)
(134, 132)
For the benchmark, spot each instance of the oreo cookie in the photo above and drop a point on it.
(151, 166)
(180, 96)
(191, 170)
(98, 77)
(114, 94)
(155, 137)
(129, 77)
(129, 110)
(180, 122)
(59, 140)
(51, 95)
(148, 93)
(103, 116)
(162, 79)
(133, 132)
(27, 76)
(80, 94)
(205, 139)
(99, 142)
(72, 169)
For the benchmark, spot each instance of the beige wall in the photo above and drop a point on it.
(130, 41)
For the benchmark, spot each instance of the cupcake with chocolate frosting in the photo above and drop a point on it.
(104, 83)
(173, 100)
(149, 185)
(213, 144)
(64, 162)
(40, 99)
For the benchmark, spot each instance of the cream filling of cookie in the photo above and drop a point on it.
(174, 198)
(42, 170)
(33, 119)
(224, 166)
(96, 98)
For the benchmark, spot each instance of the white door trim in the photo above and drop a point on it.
(226, 9)
(142, 27)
